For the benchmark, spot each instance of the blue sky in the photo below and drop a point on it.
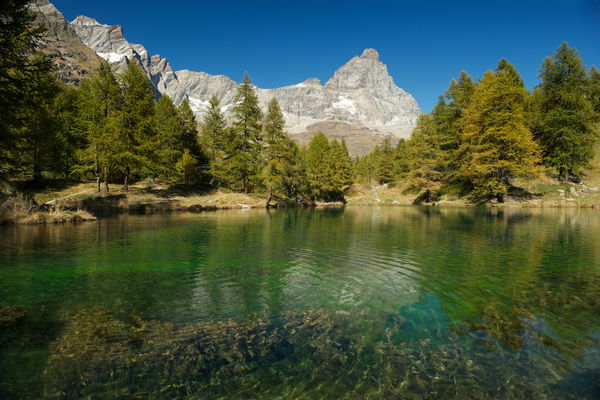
(424, 43)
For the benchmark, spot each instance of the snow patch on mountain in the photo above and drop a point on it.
(359, 94)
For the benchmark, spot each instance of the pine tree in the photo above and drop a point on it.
(447, 115)
(593, 92)
(17, 41)
(137, 140)
(401, 159)
(68, 141)
(99, 104)
(169, 137)
(213, 135)
(511, 71)
(328, 168)
(37, 131)
(318, 169)
(425, 158)
(384, 162)
(497, 145)
(281, 164)
(242, 161)
(343, 164)
(564, 116)
(186, 166)
(189, 130)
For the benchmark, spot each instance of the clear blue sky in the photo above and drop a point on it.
(424, 43)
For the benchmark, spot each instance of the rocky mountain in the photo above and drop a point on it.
(73, 59)
(360, 102)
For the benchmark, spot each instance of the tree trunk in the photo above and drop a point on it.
(37, 169)
(126, 182)
(243, 183)
(97, 182)
(106, 189)
(269, 197)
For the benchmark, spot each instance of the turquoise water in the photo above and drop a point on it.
(370, 302)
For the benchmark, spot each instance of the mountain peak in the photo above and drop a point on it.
(82, 20)
(371, 54)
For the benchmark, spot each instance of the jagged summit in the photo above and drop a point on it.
(371, 54)
(361, 97)
(73, 59)
(82, 20)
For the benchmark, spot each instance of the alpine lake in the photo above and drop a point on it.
(355, 303)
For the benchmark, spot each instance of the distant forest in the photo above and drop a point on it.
(480, 136)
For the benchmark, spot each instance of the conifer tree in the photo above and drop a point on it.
(511, 71)
(564, 116)
(384, 162)
(67, 139)
(319, 171)
(242, 161)
(189, 130)
(100, 101)
(281, 165)
(17, 40)
(497, 145)
(342, 163)
(401, 159)
(186, 166)
(213, 134)
(137, 140)
(447, 115)
(37, 131)
(169, 137)
(328, 168)
(593, 92)
(426, 169)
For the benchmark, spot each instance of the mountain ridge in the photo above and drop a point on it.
(360, 96)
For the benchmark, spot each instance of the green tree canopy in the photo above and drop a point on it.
(497, 145)
(564, 115)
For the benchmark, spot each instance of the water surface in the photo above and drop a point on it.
(390, 302)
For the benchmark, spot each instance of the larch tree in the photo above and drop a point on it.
(212, 138)
(37, 131)
(189, 130)
(281, 164)
(243, 159)
(593, 92)
(17, 41)
(137, 142)
(497, 144)
(424, 158)
(99, 104)
(169, 137)
(564, 117)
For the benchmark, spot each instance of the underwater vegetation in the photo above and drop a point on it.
(298, 354)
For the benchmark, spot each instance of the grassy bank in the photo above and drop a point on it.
(71, 202)
(20, 209)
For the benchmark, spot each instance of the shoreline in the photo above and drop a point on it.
(80, 202)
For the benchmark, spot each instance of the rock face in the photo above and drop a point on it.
(73, 59)
(360, 101)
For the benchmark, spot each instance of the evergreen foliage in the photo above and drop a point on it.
(563, 114)
(328, 168)
(498, 145)
(282, 169)
(137, 144)
(17, 68)
(169, 137)
(100, 102)
(241, 163)
(478, 137)
(186, 167)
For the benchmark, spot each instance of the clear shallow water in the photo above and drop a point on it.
(358, 303)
